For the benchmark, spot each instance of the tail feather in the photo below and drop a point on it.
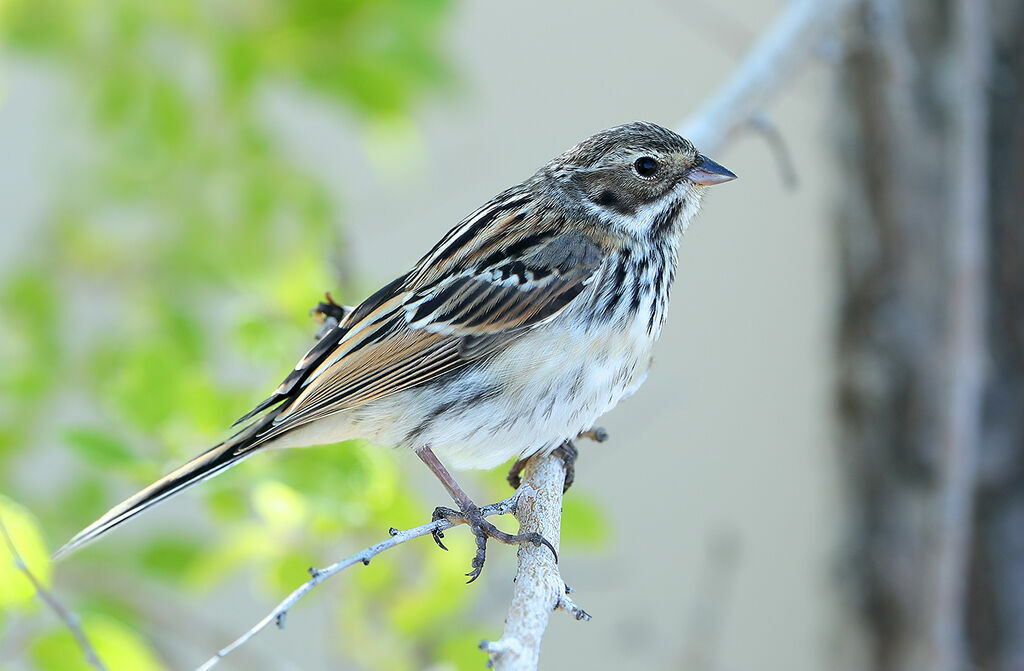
(206, 465)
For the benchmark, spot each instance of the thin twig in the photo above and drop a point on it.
(279, 612)
(792, 40)
(69, 619)
(780, 150)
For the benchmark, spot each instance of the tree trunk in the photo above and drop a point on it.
(930, 147)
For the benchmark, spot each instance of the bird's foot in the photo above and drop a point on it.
(568, 453)
(329, 314)
(595, 433)
(482, 530)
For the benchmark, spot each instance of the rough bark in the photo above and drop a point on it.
(930, 332)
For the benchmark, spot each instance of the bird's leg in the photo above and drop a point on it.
(470, 514)
(568, 453)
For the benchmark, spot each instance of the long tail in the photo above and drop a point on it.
(206, 465)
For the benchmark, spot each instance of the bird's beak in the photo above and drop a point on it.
(708, 173)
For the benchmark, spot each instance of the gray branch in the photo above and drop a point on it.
(69, 619)
(539, 588)
(317, 576)
(801, 31)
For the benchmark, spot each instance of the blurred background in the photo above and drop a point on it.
(824, 469)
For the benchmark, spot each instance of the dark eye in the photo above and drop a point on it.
(645, 166)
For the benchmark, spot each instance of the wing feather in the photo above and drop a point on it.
(467, 299)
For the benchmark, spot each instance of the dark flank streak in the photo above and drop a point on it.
(615, 291)
(657, 307)
(659, 273)
(664, 221)
(577, 383)
(434, 414)
(638, 282)
(638, 289)
(551, 404)
(620, 272)
(482, 393)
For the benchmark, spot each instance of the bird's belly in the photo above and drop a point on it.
(545, 388)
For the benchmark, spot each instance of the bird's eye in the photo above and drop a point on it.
(645, 166)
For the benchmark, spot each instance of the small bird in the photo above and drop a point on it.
(526, 322)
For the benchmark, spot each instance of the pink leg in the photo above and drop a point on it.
(470, 514)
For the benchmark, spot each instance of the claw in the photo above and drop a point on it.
(482, 530)
(441, 513)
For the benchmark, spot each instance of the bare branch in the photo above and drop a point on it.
(539, 588)
(278, 614)
(777, 143)
(802, 28)
(69, 619)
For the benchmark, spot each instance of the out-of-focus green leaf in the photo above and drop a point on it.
(244, 544)
(288, 571)
(583, 525)
(227, 503)
(15, 587)
(281, 507)
(440, 591)
(169, 558)
(100, 447)
(31, 354)
(116, 645)
(82, 502)
(461, 652)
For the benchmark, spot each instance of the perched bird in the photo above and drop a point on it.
(525, 323)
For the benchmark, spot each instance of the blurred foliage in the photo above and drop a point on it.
(185, 248)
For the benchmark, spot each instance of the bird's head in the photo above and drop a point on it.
(640, 177)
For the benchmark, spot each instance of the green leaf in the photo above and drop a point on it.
(583, 525)
(288, 572)
(100, 447)
(228, 504)
(462, 651)
(15, 587)
(170, 558)
(116, 645)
